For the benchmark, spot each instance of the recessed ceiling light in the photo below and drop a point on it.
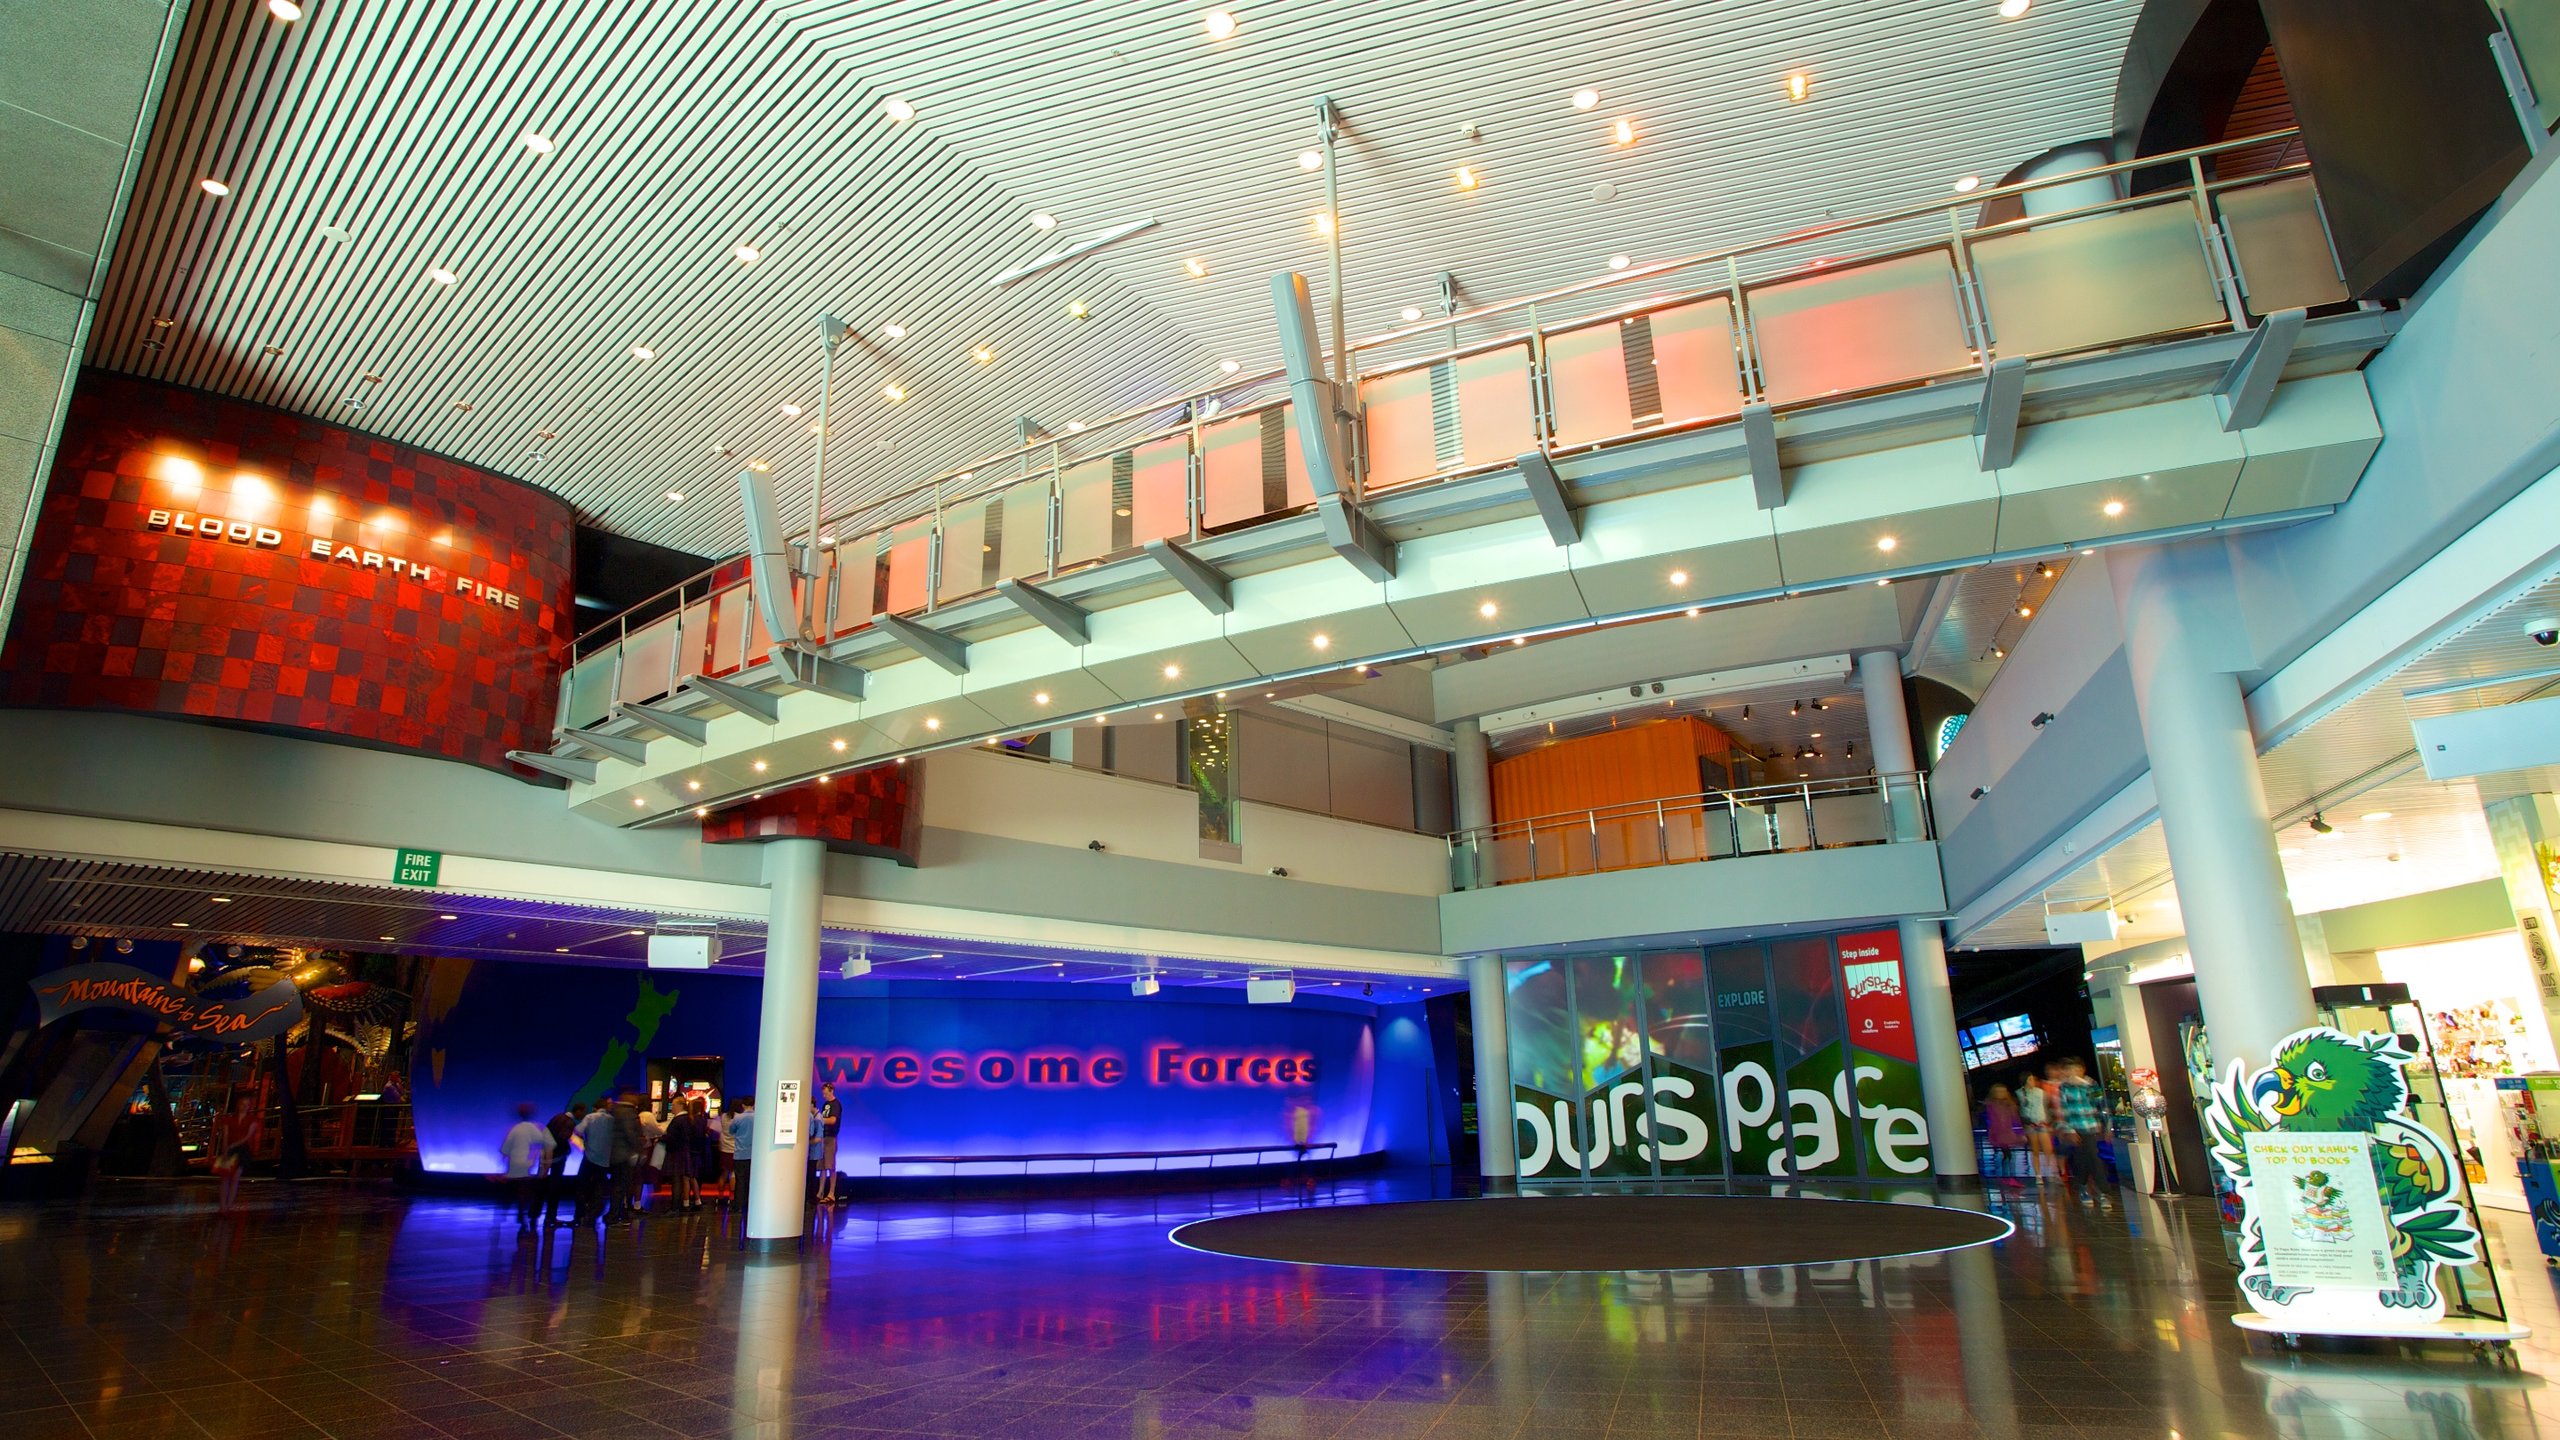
(2026, 611)
(1411, 312)
(441, 275)
(214, 188)
(1617, 262)
(643, 352)
(219, 899)
(1040, 697)
(1624, 132)
(1523, 639)
(1585, 99)
(745, 254)
(2112, 508)
(1968, 184)
(693, 784)
(1219, 23)
(1043, 220)
(839, 746)
(1077, 310)
(1798, 86)
(898, 110)
(1197, 266)
(1322, 221)
(1679, 577)
(892, 393)
(1228, 367)
(1488, 609)
(1159, 714)
(894, 331)
(448, 917)
(789, 410)
(284, 10)
(2012, 9)
(2373, 815)
(538, 143)
(932, 723)
(1465, 178)
(1310, 159)
(676, 497)
(1173, 672)
(982, 354)
(1886, 542)
(181, 924)
(1321, 640)
(638, 802)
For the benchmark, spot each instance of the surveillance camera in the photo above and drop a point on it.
(1093, 844)
(2544, 630)
(1280, 870)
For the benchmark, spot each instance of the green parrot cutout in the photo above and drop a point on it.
(2324, 1081)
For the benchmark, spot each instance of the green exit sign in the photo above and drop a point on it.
(416, 867)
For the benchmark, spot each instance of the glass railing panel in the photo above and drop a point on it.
(1117, 502)
(1251, 468)
(1589, 379)
(730, 624)
(967, 551)
(2100, 280)
(588, 697)
(1695, 365)
(2281, 245)
(1859, 328)
(694, 640)
(648, 662)
(1451, 415)
(909, 557)
(853, 594)
(1674, 366)
(2534, 25)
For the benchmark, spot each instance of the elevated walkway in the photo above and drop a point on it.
(1951, 394)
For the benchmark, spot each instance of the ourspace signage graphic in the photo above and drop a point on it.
(1791, 1058)
(978, 1069)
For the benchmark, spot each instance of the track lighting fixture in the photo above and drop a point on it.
(2320, 824)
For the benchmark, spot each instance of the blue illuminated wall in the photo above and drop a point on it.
(967, 1069)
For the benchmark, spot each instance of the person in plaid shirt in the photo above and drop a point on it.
(2077, 1131)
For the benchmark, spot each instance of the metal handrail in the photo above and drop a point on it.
(1050, 454)
(1869, 784)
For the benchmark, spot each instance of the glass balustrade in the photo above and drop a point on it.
(1843, 309)
(1765, 820)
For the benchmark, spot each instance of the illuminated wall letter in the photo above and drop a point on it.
(1307, 1069)
(1108, 1070)
(319, 548)
(1168, 1065)
(995, 1068)
(948, 1070)
(1259, 1072)
(1286, 1072)
(239, 531)
(270, 539)
(899, 1070)
(1052, 1070)
(1204, 1069)
(156, 520)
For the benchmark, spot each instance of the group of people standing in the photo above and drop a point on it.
(2049, 1129)
(630, 1149)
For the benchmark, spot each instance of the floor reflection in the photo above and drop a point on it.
(331, 1311)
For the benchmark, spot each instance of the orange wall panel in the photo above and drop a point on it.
(1630, 765)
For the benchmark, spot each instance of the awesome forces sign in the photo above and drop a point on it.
(1789, 1058)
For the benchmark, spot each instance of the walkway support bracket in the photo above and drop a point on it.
(1995, 421)
(809, 670)
(1206, 582)
(667, 722)
(2249, 386)
(1760, 440)
(744, 700)
(1068, 622)
(1546, 491)
(1315, 406)
(620, 747)
(567, 767)
(947, 651)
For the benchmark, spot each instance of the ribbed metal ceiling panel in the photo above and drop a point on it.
(682, 132)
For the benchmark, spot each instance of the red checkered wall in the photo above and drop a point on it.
(863, 812)
(114, 615)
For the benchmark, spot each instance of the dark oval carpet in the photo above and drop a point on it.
(1592, 1232)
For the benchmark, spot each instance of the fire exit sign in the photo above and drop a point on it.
(416, 867)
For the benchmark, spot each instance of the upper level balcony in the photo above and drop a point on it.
(1913, 392)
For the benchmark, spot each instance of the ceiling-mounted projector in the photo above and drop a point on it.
(1145, 985)
(1270, 992)
(684, 949)
(856, 965)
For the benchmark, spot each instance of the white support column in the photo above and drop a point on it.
(1943, 1096)
(1497, 1138)
(2184, 645)
(1471, 790)
(1889, 739)
(786, 1041)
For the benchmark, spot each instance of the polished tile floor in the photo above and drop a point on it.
(325, 1310)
